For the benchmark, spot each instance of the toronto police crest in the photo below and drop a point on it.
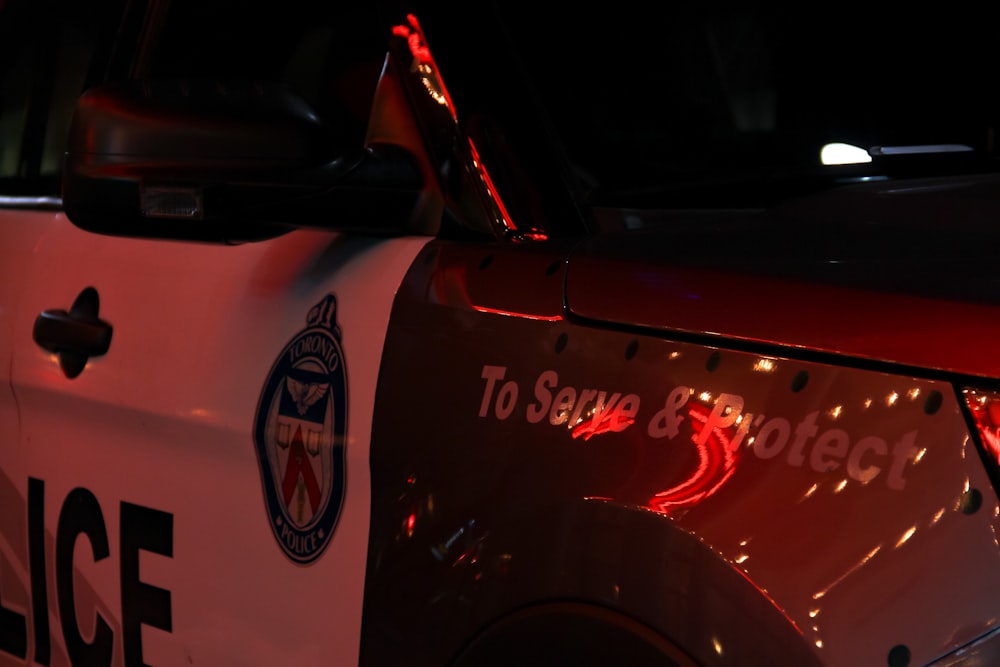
(300, 434)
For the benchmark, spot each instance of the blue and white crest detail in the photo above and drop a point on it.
(300, 433)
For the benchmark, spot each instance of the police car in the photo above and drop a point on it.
(390, 335)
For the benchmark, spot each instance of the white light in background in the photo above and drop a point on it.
(837, 153)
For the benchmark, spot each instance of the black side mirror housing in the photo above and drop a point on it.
(224, 162)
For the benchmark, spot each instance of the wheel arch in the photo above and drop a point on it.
(573, 633)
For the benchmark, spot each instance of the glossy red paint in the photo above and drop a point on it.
(500, 281)
(920, 331)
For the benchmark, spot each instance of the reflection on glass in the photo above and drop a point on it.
(985, 409)
(424, 63)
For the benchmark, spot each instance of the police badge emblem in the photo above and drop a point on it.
(300, 435)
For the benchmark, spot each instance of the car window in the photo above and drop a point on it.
(50, 51)
(686, 104)
(329, 53)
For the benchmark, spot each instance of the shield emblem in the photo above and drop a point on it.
(299, 435)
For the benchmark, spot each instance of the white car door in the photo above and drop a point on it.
(45, 53)
(19, 526)
(203, 484)
(184, 427)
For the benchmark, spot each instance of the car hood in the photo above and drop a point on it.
(895, 271)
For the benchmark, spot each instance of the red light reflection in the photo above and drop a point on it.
(412, 37)
(767, 596)
(985, 410)
(425, 64)
(511, 313)
(429, 74)
(610, 421)
(484, 175)
(716, 464)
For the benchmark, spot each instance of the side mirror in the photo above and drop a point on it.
(224, 162)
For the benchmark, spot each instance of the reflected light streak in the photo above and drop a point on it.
(913, 393)
(906, 536)
(491, 190)
(425, 64)
(511, 313)
(854, 568)
(891, 399)
(431, 88)
(841, 485)
(767, 596)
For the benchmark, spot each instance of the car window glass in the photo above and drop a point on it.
(50, 51)
(688, 104)
(329, 53)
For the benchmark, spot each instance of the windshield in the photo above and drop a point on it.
(681, 103)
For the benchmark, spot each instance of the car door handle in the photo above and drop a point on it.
(74, 336)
